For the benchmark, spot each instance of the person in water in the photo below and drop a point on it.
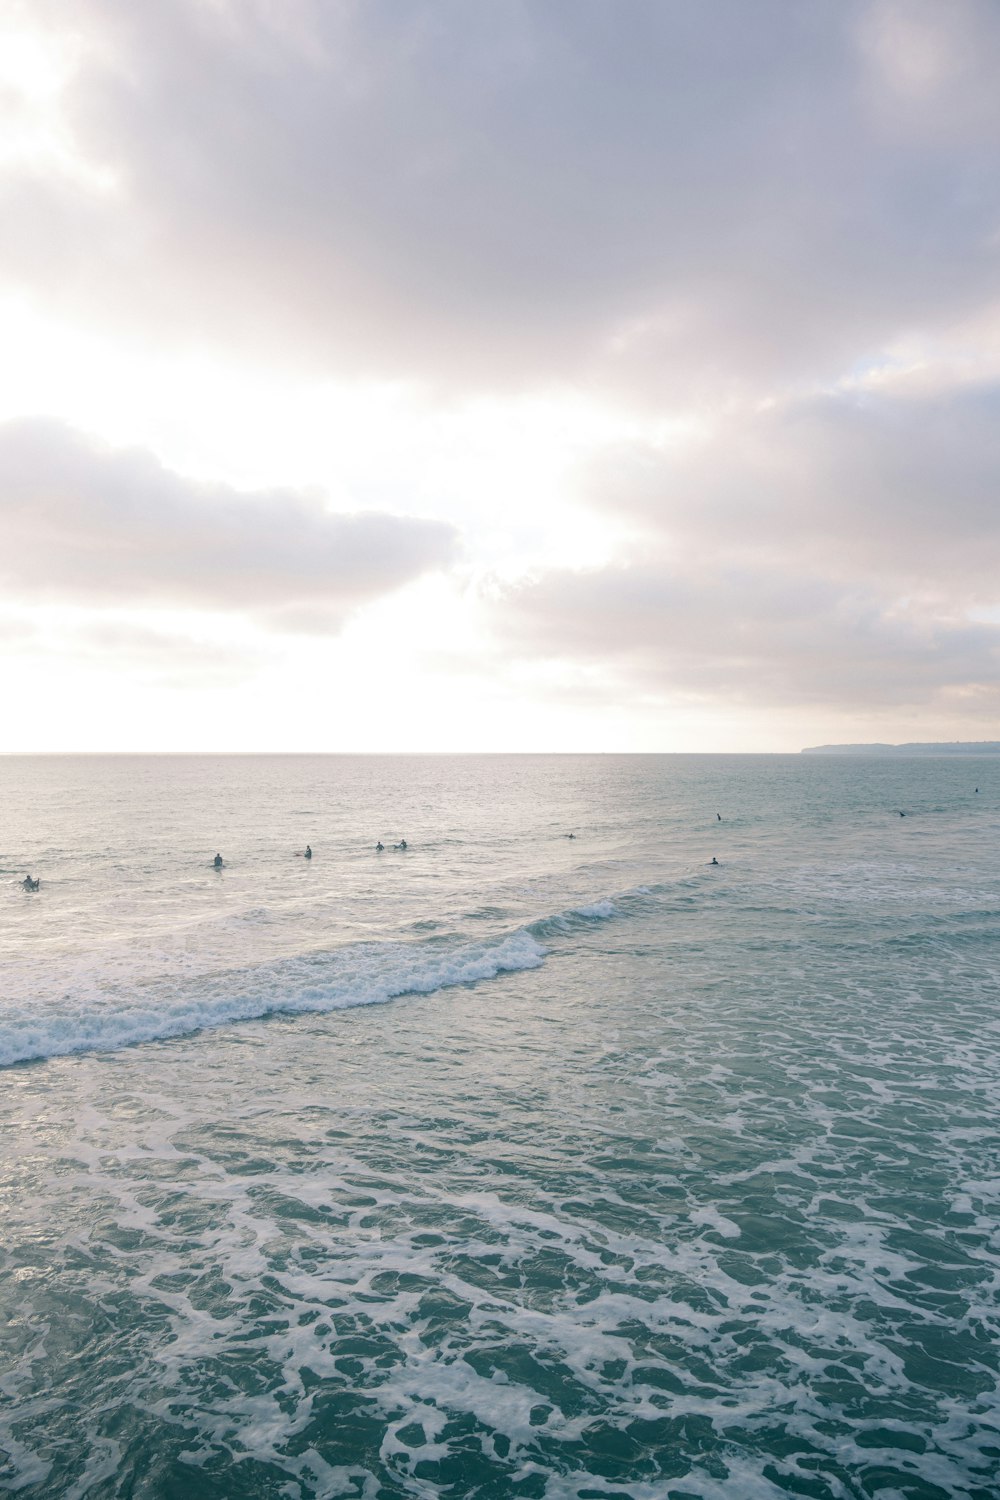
(713, 860)
(29, 884)
(402, 844)
(217, 862)
(719, 816)
(308, 853)
(379, 847)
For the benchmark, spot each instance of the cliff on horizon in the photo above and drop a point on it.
(950, 747)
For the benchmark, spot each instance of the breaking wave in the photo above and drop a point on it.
(120, 1015)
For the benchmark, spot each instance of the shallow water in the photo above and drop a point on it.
(511, 1164)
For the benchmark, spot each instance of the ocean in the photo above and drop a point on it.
(508, 1164)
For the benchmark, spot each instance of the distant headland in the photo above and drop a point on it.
(950, 747)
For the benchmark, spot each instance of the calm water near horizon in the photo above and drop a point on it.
(511, 1164)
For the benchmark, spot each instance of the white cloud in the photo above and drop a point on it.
(80, 522)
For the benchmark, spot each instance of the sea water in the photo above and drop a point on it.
(511, 1164)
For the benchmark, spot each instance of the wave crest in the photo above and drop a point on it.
(340, 979)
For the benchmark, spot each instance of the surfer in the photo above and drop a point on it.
(401, 845)
(379, 847)
(217, 862)
(29, 884)
(719, 816)
(571, 835)
(308, 853)
(713, 860)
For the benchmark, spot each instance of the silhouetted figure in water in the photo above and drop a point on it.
(719, 816)
(713, 860)
(308, 854)
(30, 885)
(571, 835)
(379, 847)
(977, 789)
(402, 844)
(217, 862)
(902, 815)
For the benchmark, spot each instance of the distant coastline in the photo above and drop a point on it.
(950, 747)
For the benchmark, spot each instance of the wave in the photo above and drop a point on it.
(572, 920)
(339, 979)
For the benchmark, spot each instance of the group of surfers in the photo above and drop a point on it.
(218, 863)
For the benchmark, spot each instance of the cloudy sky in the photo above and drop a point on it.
(515, 375)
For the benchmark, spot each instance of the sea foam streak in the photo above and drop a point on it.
(358, 974)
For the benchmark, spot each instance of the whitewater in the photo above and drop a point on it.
(511, 1163)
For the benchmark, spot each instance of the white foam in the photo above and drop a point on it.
(91, 1015)
(367, 974)
(712, 1219)
(599, 909)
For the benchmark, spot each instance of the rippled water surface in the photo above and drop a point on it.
(511, 1164)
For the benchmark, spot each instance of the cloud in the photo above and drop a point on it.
(82, 640)
(753, 638)
(16, 631)
(683, 197)
(88, 524)
(828, 551)
(900, 493)
(738, 215)
(167, 658)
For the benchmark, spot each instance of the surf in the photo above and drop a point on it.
(106, 1017)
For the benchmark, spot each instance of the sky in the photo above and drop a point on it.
(532, 375)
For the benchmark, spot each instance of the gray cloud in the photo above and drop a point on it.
(669, 195)
(754, 637)
(88, 524)
(827, 551)
(902, 493)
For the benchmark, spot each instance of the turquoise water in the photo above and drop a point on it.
(511, 1165)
